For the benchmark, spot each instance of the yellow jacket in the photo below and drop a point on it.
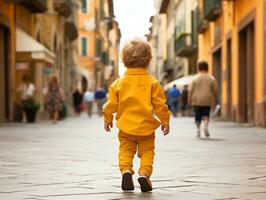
(135, 97)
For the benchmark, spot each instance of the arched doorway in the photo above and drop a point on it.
(84, 84)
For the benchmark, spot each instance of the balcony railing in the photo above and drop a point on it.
(184, 46)
(201, 23)
(212, 9)
(35, 6)
(63, 7)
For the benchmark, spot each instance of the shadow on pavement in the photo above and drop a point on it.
(213, 139)
(136, 194)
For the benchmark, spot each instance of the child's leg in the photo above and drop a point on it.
(127, 150)
(146, 154)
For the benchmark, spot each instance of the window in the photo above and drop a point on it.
(84, 46)
(84, 6)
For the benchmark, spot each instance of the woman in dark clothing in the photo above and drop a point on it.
(77, 101)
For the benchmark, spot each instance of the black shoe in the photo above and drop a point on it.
(127, 181)
(145, 184)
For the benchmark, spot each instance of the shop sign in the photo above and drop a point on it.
(47, 71)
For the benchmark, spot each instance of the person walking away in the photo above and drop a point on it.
(77, 98)
(184, 98)
(173, 95)
(54, 99)
(27, 91)
(202, 96)
(100, 97)
(88, 99)
(134, 98)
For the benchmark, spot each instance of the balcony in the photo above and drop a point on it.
(35, 6)
(71, 30)
(184, 46)
(212, 9)
(63, 7)
(201, 23)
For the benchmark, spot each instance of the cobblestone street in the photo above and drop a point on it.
(76, 159)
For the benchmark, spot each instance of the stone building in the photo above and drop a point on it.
(104, 19)
(175, 21)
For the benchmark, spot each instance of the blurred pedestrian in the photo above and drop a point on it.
(27, 91)
(184, 99)
(134, 97)
(173, 96)
(54, 99)
(88, 99)
(202, 96)
(100, 98)
(77, 98)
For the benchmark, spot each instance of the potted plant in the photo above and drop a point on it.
(31, 109)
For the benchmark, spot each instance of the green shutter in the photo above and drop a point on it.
(84, 46)
(84, 6)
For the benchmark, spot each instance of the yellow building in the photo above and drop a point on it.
(86, 42)
(99, 37)
(232, 39)
(7, 59)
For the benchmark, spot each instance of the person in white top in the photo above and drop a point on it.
(27, 91)
(88, 99)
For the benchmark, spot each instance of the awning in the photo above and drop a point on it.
(26, 44)
(180, 83)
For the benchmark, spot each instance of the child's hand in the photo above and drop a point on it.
(108, 126)
(165, 129)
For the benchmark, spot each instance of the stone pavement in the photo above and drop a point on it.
(77, 160)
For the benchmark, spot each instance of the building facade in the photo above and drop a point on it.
(99, 38)
(232, 39)
(45, 31)
(175, 21)
(158, 39)
(7, 59)
(230, 36)
(107, 42)
(86, 42)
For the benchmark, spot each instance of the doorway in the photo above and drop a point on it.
(217, 72)
(246, 95)
(4, 96)
(84, 84)
(229, 77)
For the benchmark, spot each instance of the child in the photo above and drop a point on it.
(134, 98)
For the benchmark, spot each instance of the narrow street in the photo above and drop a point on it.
(75, 159)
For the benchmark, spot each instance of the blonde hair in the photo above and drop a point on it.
(137, 53)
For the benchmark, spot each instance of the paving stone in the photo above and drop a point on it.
(75, 159)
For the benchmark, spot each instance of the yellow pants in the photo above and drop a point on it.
(129, 145)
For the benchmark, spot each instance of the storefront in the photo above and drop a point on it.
(35, 60)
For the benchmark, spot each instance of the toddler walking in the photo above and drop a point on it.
(135, 98)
